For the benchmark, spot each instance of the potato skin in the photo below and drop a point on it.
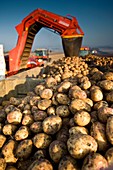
(42, 140)
(80, 145)
(64, 87)
(62, 111)
(79, 104)
(14, 117)
(96, 95)
(8, 151)
(22, 133)
(62, 98)
(98, 132)
(75, 130)
(68, 163)
(36, 127)
(57, 150)
(9, 129)
(2, 140)
(104, 113)
(82, 118)
(109, 129)
(2, 164)
(38, 164)
(24, 149)
(46, 93)
(109, 156)
(44, 104)
(106, 85)
(94, 161)
(52, 124)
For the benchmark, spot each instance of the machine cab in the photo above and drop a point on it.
(41, 53)
(84, 51)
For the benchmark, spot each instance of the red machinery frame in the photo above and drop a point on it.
(28, 28)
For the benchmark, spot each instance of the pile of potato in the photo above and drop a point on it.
(64, 123)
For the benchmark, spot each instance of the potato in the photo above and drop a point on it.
(97, 76)
(71, 122)
(104, 113)
(34, 109)
(82, 79)
(68, 163)
(5, 103)
(85, 85)
(46, 93)
(44, 104)
(23, 164)
(21, 107)
(50, 111)
(108, 76)
(14, 117)
(75, 130)
(62, 99)
(41, 164)
(42, 140)
(97, 131)
(73, 88)
(26, 100)
(24, 149)
(94, 161)
(39, 115)
(80, 145)
(78, 94)
(89, 101)
(109, 97)
(38, 88)
(2, 164)
(14, 101)
(57, 149)
(54, 101)
(62, 134)
(96, 95)
(33, 101)
(27, 107)
(27, 120)
(66, 74)
(52, 124)
(40, 154)
(94, 116)
(82, 118)
(9, 129)
(109, 156)
(26, 112)
(36, 127)
(64, 87)
(50, 82)
(22, 133)
(2, 140)
(100, 104)
(79, 104)
(106, 85)
(109, 129)
(11, 168)
(8, 151)
(62, 111)
(9, 108)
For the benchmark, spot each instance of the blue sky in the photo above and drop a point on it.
(95, 17)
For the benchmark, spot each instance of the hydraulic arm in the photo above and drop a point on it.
(67, 27)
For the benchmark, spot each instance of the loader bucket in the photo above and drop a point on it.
(71, 46)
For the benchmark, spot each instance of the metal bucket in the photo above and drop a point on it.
(71, 46)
